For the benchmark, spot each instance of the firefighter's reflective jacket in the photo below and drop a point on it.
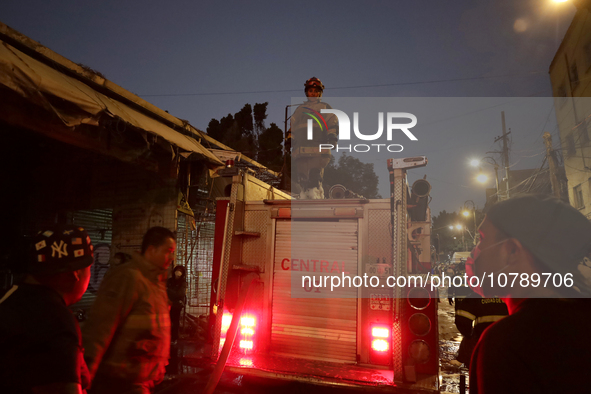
(473, 315)
(322, 124)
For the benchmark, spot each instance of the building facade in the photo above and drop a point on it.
(570, 75)
(78, 149)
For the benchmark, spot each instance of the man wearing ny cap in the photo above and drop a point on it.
(40, 344)
(543, 346)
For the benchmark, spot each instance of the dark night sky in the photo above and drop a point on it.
(195, 59)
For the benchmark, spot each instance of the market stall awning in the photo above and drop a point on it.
(76, 103)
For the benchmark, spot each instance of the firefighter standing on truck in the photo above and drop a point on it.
(307, 159)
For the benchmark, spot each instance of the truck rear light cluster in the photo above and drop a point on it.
(419, 351)
(226, 321)
(419, 325)
(379, 338)
(247, 331)
(420, 336)
(246, 345)
(380, 344)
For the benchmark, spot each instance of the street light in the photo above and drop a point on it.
(466, 213)
(482, 178)
(461, 228)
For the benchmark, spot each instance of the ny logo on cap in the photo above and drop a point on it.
(60, 249)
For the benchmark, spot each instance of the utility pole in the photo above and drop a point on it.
(551, 157)
(505, 152)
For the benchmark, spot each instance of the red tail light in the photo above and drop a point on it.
(226, 320)
(246, 345)
(247, 332)
(420, 340)
(380, 344)
(380, 332)
(247, 321)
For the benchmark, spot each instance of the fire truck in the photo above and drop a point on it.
(275, 309)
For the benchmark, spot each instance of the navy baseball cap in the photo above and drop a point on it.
(60, 248)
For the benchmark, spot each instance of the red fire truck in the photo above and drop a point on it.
(275, 309)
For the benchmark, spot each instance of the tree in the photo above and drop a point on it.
(270, 148)
(447, 244)
(245, 131)
(353, 174)
(260, 114)
(236, 131)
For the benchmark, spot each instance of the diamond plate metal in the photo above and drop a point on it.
(225, 263)
(254, 249)
(380, 239)
(399, 219)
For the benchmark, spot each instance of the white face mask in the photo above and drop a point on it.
(470, 265)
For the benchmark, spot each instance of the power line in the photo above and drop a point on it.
(347, 87)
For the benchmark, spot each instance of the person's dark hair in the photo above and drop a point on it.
(156, 236)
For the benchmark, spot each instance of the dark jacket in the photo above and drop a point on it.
(177, 288)
(127, 334)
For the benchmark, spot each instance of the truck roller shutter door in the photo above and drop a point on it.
(320, 328)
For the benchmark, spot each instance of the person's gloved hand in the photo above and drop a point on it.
(451, 301)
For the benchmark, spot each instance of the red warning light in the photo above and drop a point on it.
(226, 321)
(247, 331)
(247, 321)
(380, 332)
(380, 345)
(246, 345)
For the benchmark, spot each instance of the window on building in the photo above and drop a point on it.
(587, 52)
(574, 75)
(560, 95)
(571, 150)
(578, 197)
(583, 135)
